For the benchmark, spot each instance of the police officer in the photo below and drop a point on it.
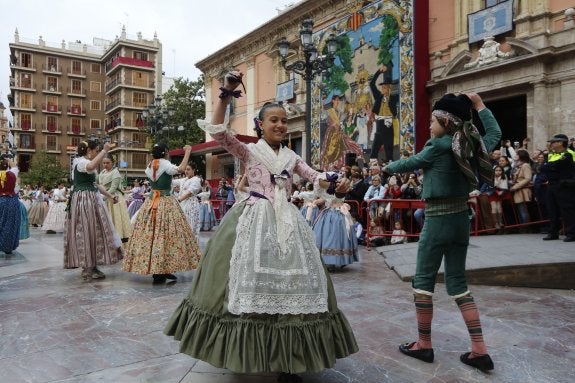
(559, 167)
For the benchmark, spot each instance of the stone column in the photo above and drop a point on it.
(540, 112)
(251, 95)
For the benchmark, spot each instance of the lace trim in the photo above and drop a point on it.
(212, 129)
(263, 279)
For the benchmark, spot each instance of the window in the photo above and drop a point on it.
(25, 121)
(95, 68)
(140, 99)
(95, 86)
(95, 105)
(52, 83)
(76, 67)
(52, 103)
(139, 160)
(140, 79)
(26, 101)
(26, 141)
(76, 126)
(75, 141)
(52, 63)
(138, 120)
(141, 55)
(140, 138)
(51, 143)
(94, 124)
(76, 86)
(25, 80)
(51, 123)
(26, 60)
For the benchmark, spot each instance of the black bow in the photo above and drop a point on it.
(332, 179)
(234, 93)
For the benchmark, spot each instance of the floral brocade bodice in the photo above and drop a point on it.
(264, 167)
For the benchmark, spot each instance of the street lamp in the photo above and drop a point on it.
(312, 65)
(156, 115)
(178, 129)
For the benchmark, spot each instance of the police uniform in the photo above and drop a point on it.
(559, 167)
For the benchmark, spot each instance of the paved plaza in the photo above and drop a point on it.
(56, 328)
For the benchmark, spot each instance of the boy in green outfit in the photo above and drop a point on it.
(451, 161)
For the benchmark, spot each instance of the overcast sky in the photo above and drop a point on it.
(189, 30)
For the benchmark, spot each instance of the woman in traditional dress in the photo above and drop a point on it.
(334, 234)
(262, 300)
(27, 196)
(54, 222)
(188, 197)
(137, 197)
(111, 179)
(9, 206)
(162, 241)
(207, 214)
(37, 211)
(89, 236)
(309, 210)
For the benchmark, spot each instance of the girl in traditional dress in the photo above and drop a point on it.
(137, 197)
(111, 179)
(162, 241)
(309, 210)
(37, 211)
(27, 196)
(54, 222)
(188, 197)
(207, 214)
(89, 236)
(9, 207)
(262, 300)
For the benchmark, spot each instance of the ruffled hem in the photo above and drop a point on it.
(253, 343)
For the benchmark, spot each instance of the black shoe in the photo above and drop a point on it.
(284, 377)
(569, 239)
(425, 354)
(50, 232)
(171, 277)
(483, 363)
(550, 237)
(159, 278)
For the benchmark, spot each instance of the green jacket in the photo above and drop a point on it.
(441, 175)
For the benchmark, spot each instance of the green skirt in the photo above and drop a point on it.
(251, 343)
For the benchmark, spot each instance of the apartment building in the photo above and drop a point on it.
(63, 94)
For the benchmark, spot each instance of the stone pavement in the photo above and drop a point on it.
(55, 328)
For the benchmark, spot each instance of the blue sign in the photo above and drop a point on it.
(123, 164)
(284, 91)
(491, 21)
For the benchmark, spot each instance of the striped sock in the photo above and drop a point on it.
(470, 315)
(424, 315)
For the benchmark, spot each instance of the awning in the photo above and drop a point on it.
(212, 147)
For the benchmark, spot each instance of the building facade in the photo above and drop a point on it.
(518, 54)
(62, 95)
(342, 100)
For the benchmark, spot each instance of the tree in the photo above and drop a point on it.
(187, 99)
(45, 169)
(388, 37)
(335, 78)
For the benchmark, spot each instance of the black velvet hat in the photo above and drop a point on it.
(458, 105)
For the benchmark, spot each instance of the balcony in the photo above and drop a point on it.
(76, 111)
(49, 89)
(112, 105)
(23, 107)
(55, 70)
(129, 62)
(52, 109)
(76, 92)
(23, 85)
(77, 73)
(75, 130)
(138, 84)
(26, 66)
(28, 148)
(51, 128)
(52, 148)
(25, 127)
